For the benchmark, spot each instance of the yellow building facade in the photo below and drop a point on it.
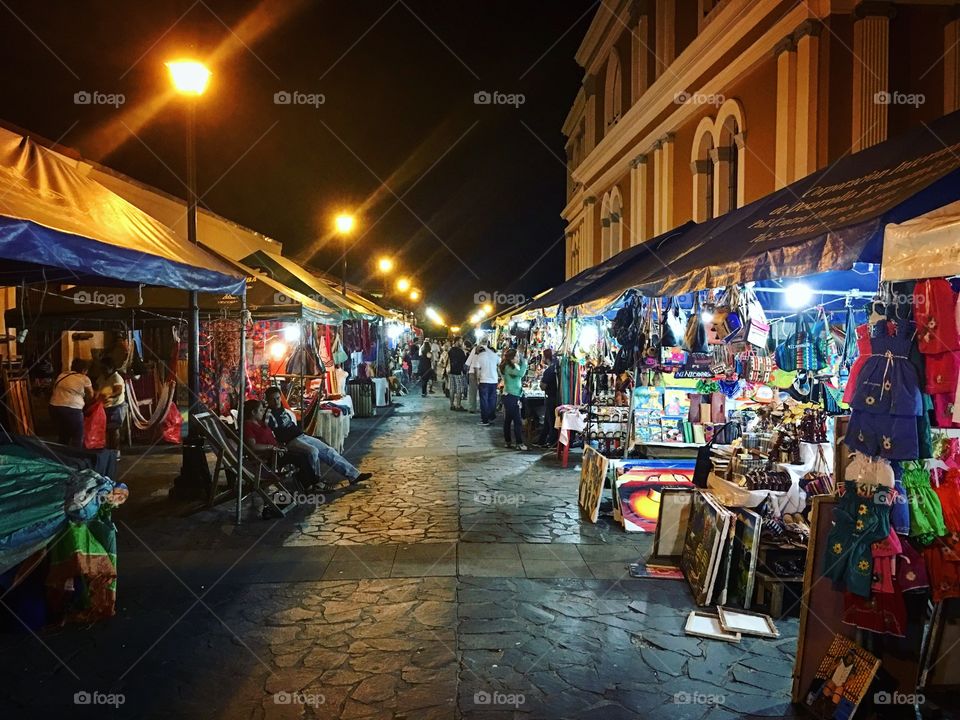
(690, 108)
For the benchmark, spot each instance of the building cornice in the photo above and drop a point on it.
(610, 158)
(612, 19)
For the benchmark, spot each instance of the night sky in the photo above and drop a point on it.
(466, 196)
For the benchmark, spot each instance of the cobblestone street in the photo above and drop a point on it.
(459, 583)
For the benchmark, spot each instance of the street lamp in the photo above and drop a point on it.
(487, 308)
(344, 223)
(403, 285)
(190, 78)
(414, 295)
(385, 265)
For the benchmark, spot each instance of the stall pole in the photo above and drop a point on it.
(303, 351)
(241, 398)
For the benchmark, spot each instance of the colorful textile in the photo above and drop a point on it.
(861, 518)
(82, 580)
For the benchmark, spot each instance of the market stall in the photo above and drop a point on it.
(58, 227)
(822, 417)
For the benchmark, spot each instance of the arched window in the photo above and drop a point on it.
(613, 91)
(729, 158)
(616, 222)
(605, 227)
(701, 166)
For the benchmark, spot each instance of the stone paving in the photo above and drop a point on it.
(461, 583)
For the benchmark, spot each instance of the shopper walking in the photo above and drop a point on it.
(71, 391)
(456, 359)
(426, 369)
(485, 361)
(443, 369)
(551, 387)
(470, 375)
(513, 371)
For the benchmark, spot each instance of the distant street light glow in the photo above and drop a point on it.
(487, 308)
(385, 265)
(414, 295)
(189, 76)
(433, 316)
(403, 285)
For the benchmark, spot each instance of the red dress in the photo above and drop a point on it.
(935, 312)
(864, 349)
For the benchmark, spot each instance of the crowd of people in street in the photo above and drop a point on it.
(476, 378)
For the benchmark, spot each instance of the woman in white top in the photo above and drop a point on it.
(71, 391)
(111, 387)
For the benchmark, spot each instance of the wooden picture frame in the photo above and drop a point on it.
(669, 536)
(707, 625)
(746, 622)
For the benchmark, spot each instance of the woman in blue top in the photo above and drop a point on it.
(512, 373)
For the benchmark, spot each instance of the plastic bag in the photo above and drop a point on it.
(171, 425)
(95, 426)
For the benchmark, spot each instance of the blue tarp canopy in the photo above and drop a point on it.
(827, 221)
(58, 225)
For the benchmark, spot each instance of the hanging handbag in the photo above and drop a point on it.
(671, 334)
(822, 344)
(695, 337)
(728, 432)
(727, 317)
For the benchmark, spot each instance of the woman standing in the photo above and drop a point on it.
(513, 373)
(71, 391)
(111, 387)
(427, 375)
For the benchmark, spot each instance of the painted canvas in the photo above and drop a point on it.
(842, 680)
(593, 472)
(743, 566)
(640, 489)
(671, 531)
(705, 534)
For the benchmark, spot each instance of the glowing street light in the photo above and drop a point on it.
(344, 223)
(189, 77)
(385, 265)
(403, 285)
(414, 295)
(487, 308)
(454, 328)
(433, 316)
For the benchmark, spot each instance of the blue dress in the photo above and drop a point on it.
(887, 401)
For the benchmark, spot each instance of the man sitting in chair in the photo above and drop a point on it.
(288, 432)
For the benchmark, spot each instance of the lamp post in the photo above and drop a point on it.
(385, 266)
(190, 78)
(344, 223)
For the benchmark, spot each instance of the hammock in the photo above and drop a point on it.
(159, 409)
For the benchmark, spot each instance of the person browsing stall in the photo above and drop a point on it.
(513, 369)
(485, 363)
(71, 391)
(112, 389)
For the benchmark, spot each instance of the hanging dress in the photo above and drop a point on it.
(886, 399)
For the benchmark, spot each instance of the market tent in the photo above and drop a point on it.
(293, 275)
(616, 270)
(57, 225)
(85, 307)
(826, 221)
(356, 298)
(926, 246)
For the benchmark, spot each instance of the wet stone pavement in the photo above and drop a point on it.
(459, 583)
